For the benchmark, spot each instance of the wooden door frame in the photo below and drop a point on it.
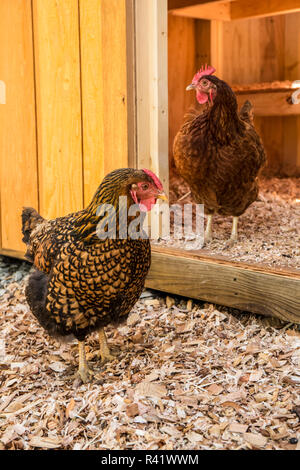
(148, 31)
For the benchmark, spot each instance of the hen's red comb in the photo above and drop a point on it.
(207, 70)
(155, 179)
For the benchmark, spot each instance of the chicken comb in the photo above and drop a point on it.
(155, 179)
(207, 70)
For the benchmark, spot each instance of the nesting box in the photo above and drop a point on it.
(94, 85)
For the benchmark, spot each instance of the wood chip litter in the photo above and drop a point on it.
(193, 383)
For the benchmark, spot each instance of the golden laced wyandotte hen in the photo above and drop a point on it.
(218, 152)
(82, 282)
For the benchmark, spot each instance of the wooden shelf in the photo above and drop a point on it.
(254, 288)
(270, 103)
(232, 10)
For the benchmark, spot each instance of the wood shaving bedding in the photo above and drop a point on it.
(188, 376)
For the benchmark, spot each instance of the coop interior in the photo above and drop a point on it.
(260, 59)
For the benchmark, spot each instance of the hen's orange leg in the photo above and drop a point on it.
(234, 232)
(83, 370)
(105, 353)
(208, 230)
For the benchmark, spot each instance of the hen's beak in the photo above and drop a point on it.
(190, 87)
(163, 197)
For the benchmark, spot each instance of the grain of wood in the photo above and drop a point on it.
(92, 95)
(57, 68)
(18, 159)
(251, 288)
(151, 87)
(219, 11)
(174, 4)
(250, 9)
(114, 76)
(271, 104)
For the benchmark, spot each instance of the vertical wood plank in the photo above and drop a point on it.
(104, 89)
(241, 52)
(152, 86)
(18, 160)
(57, 64)
(114, 76)
(202, 40)
(92, 95)
(217, 47)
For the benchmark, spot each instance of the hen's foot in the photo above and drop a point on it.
(85, 374)
(105, 354)
(107, 357)
(231, 242)
(208, 231)
(208, 238)
(234, 234)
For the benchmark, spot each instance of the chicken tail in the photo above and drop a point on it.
(30, 219)
(246, 112)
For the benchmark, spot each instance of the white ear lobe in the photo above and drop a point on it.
(134, 187)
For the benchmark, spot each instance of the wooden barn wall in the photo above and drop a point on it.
(64, 124)
(18, 157)
(243, 51)
(265, 50)
(188, 48)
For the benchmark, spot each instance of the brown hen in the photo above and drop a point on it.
(81, 282)
(218, 152)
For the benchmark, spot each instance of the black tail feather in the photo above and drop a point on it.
(30, 219)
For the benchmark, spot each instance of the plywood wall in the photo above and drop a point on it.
(65, 122)
(18, 156)
(104, 89)
(265, 50)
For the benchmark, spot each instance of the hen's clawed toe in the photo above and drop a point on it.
(85, 374)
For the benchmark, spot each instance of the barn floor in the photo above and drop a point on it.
(269, 231)
(186, 377)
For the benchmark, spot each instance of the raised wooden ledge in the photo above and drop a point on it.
(270, 103)
(12, 253)
(254, 288)
(227, 10)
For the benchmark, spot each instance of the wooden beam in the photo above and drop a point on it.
(238, 285)
(13, 253)
(232, 10)
(207, 11)
(151, 39)
(174, 4)
(253, 9)
(270, 103)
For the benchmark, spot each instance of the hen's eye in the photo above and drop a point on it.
(204, 83)
(145, 187)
